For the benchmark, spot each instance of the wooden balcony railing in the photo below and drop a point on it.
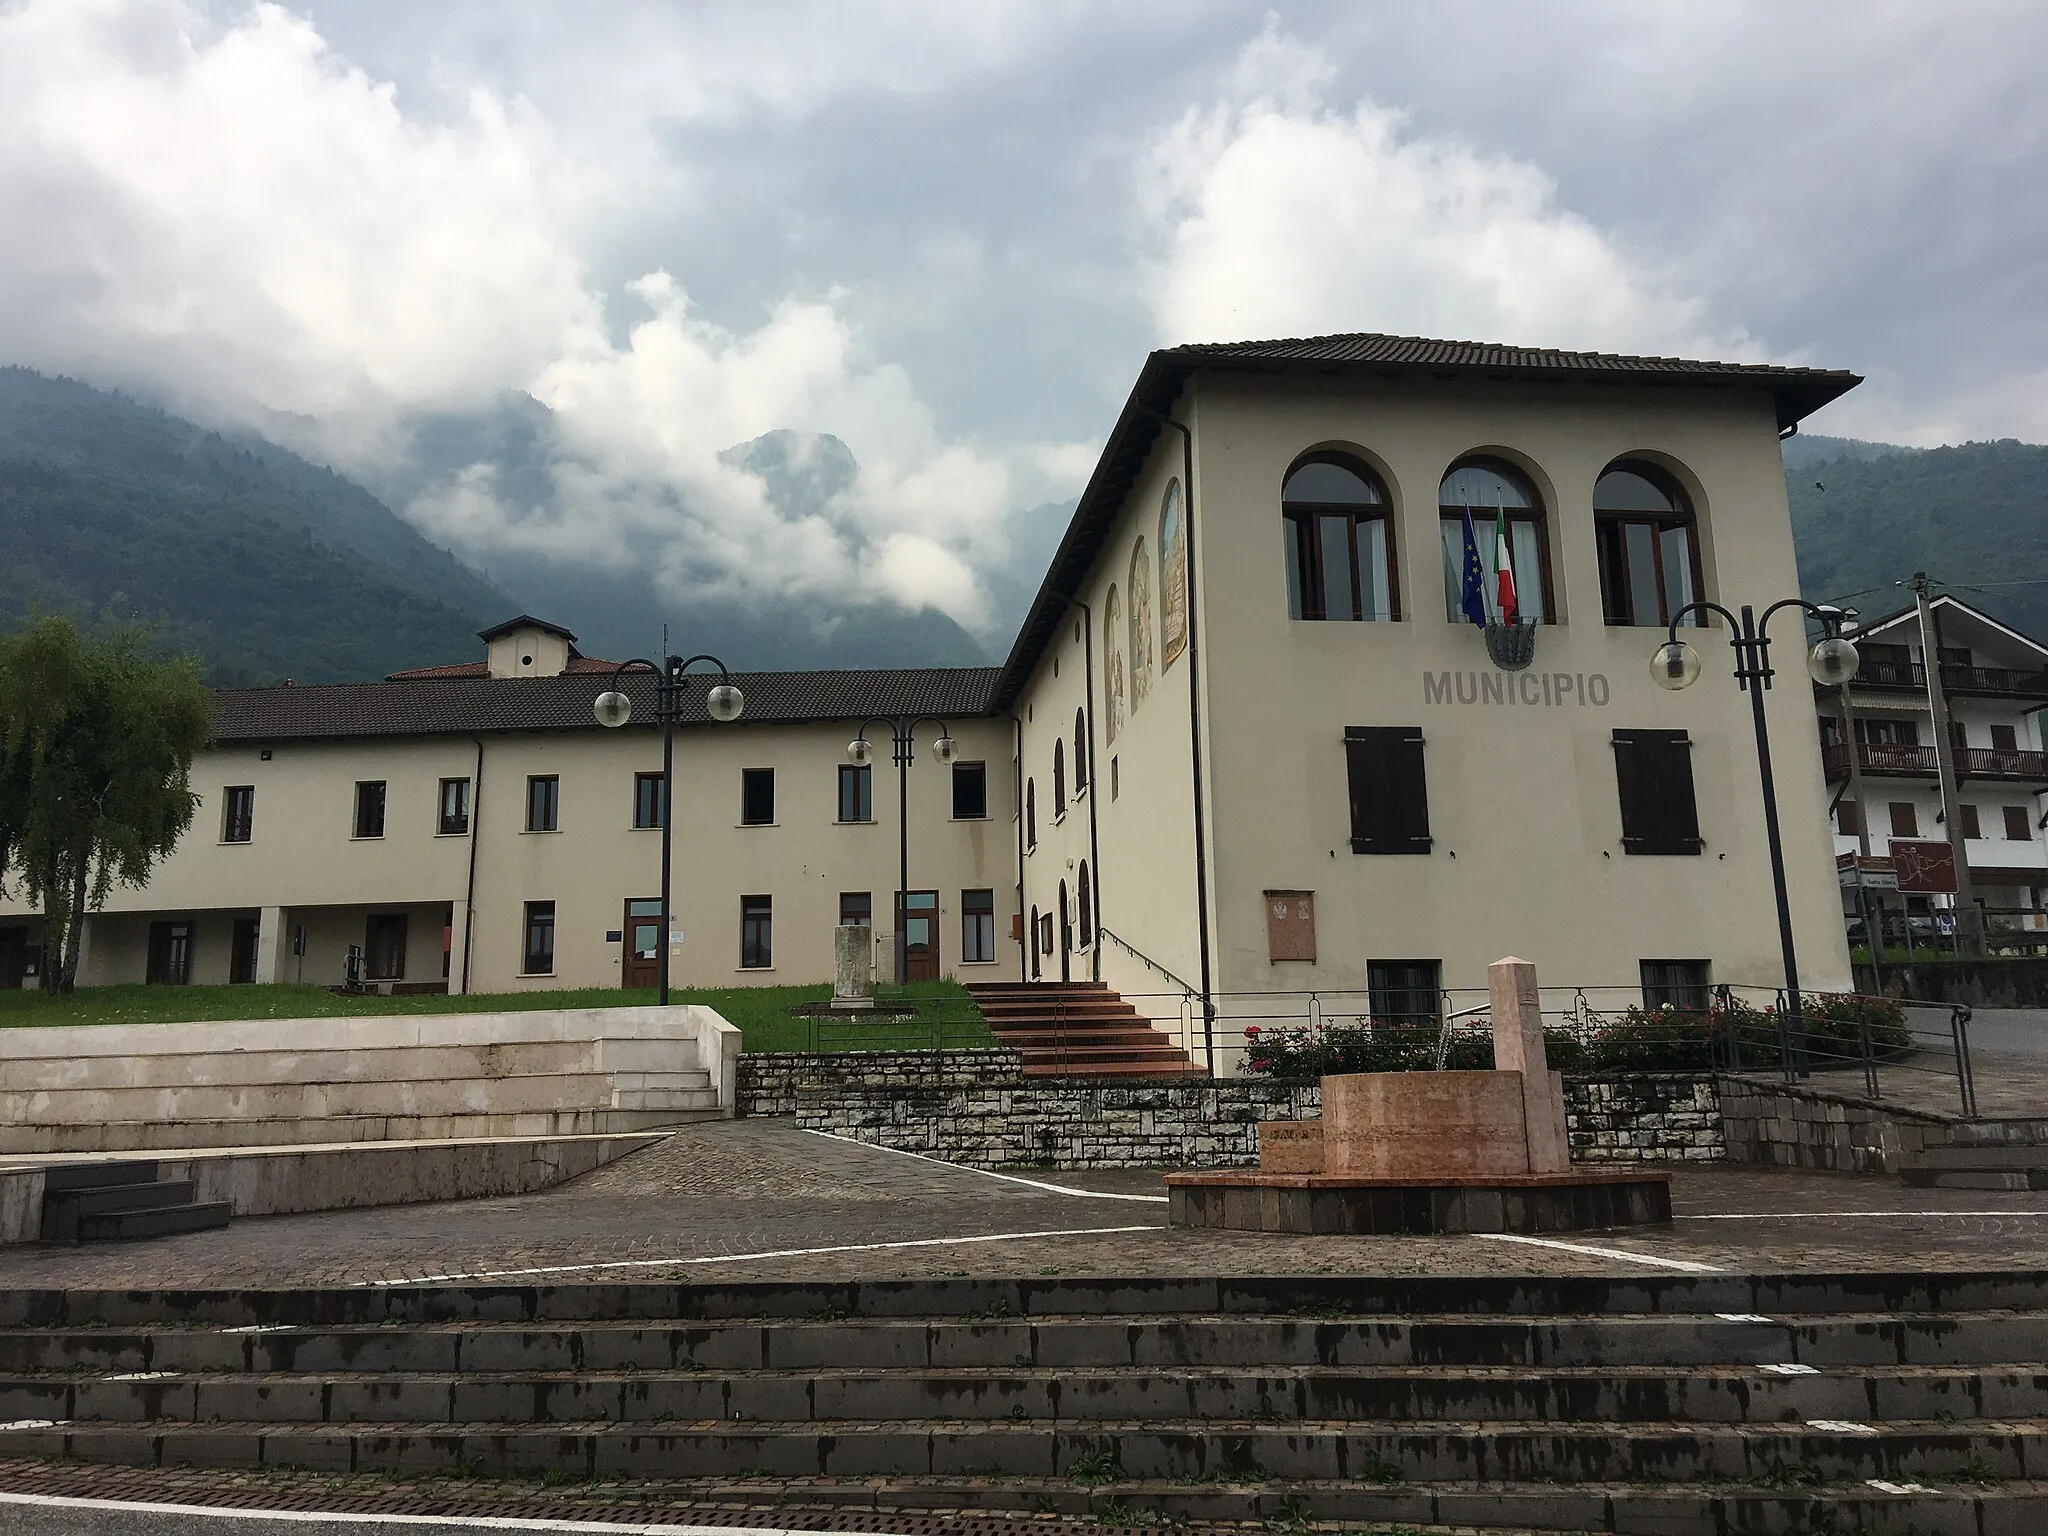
(2006, 681)
(1886, 760)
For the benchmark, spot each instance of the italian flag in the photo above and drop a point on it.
(1504, 568)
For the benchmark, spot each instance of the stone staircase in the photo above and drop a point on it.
(1682, 1406)
(1979, 1154)
(276, 1082)
(1078, 1029)
(115, 1202)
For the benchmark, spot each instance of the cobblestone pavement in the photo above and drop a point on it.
(758, 1199)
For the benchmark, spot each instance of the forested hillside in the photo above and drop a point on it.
(264, 565)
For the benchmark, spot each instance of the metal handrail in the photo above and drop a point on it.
(1105, 931)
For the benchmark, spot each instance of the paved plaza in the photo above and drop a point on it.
(759, 1199)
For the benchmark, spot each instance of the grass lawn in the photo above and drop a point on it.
(943, 1013)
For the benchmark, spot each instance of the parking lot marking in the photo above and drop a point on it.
(1690, 1266)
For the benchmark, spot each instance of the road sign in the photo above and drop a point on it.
(1924, 868)
(1871, 872)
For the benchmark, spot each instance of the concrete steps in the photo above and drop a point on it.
(1682, 1406)
(161, 1136)
(1078, 1029)
(1980, 1154)
(112, 1202)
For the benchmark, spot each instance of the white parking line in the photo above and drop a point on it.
(464, 1522)
(1841, 1215)
(736, 1258)
(1688, 1265)
(1007, 1178)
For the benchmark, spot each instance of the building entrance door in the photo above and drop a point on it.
(1066, 937)
(640, 960)
(13, 957)
(170, 953)
(917, 917)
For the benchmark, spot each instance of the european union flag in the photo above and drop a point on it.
(1474, 600)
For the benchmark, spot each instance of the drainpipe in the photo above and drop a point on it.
(476, 818)
(1187, 456)
(1094, 792)
(1024, 937)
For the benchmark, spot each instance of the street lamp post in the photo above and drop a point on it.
(612, 708)
(903, 738)
(1832, 661)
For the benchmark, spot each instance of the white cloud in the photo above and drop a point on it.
(1275, 214)
(234, 217)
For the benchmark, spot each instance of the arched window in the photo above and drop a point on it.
(1173, 577)
(1030, 813)
(1649, 545)
(1087, 908)
(1339, 544)
(1080, 750)
(1059, 779)
(1138, 593)
(1113, 669)
(1066, 929)
(1495, 492)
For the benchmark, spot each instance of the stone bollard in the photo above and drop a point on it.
(853, 969)
(1518, 1047)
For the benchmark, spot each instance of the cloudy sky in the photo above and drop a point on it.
(947, 232)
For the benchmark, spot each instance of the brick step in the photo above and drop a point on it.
(1050, 1398)
(1463, 1452)
(1107, 1048)
(1006, 1341)
(1039, 1018)
(980, 989)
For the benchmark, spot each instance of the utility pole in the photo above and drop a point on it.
(1968, 929)
(1873, 934)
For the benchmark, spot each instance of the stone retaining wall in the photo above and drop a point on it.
(974, 1108)
(1798, 1128)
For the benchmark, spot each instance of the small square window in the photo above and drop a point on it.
(1405, 992)
(647, 800)
(543, 803)
(856, 909)
(539, 958)
(2019, 824)
(370, 808)
(970, 791)
(1676, 983)
(757, 797)
(237, 813)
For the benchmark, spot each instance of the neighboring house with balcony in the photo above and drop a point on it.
(1995, 683)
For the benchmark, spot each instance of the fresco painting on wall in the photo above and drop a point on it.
(1173, 578)
(1112, 621)
(1141, 626)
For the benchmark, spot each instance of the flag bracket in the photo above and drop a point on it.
(1512, 646)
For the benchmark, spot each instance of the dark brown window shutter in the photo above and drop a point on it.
(1389, 790)
(1653, 771)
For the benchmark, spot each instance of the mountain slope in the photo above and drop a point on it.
(265, 565)
(1974, 516)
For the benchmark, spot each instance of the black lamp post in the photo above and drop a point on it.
(723, 703)
(903, 736)
(1832, 661)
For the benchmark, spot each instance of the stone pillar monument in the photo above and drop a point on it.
(1518, 1048)
(853, 968)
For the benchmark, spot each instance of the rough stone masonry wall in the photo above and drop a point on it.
(974, 1108)
(1797, 1128)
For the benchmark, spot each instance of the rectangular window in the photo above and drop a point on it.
(1653, 773)
(757, 933)
(453, 820)
(1967, 822)
(647, 805)
(856, 792)
(977, 926)
(1406, 992)
(242, 951)
(539, 958)
(757, 797)
(856, 909)
(970, 791)
(1113, 776)
(384, 947)
(1905, 819)
(237, 813)
(2019, 824)
(1525, 548)
(2005, 738)
(1846, 821)
(1648, 569)
(543, 802)
(1389, 796)
(1679, 983)
(370, 808)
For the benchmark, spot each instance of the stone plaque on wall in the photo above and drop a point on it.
(1291, 925)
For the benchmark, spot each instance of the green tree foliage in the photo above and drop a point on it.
(96, 748)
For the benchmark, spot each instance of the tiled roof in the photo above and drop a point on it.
(1795, 393)
(467, 704)
(483, 669)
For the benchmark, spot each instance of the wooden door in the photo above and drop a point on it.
(917, 918)
(242, 950)
(640, 957)
(13, 957)
(170, 953)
